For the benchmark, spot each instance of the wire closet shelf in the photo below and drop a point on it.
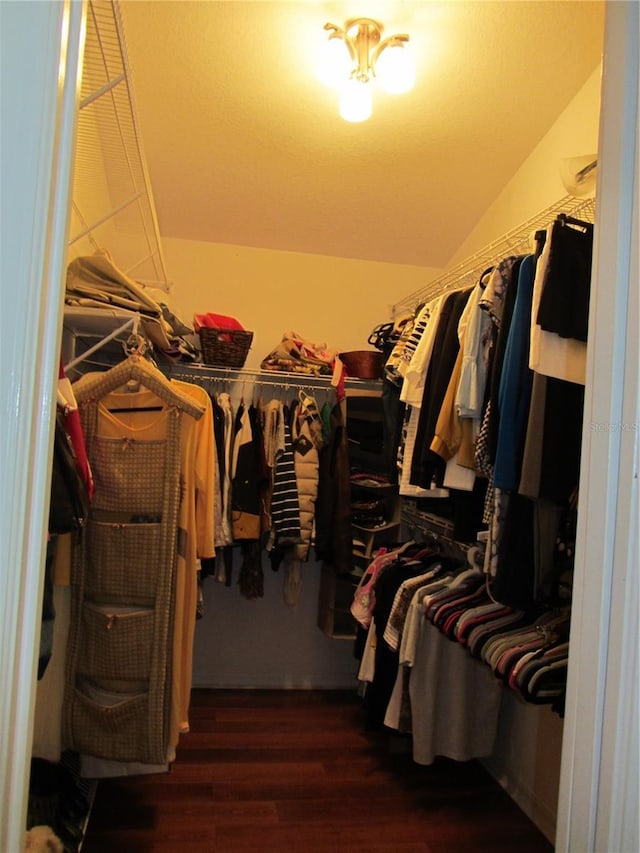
(516, 241)
(113, 205)
(206, 375)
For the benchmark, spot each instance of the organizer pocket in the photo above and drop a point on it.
(115, 642)
(113, 711)
(127, 474)
(113, 725)
(122, 562)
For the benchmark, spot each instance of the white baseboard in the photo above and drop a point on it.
(247, 684)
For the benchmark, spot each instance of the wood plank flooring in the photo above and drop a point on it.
(295, 771)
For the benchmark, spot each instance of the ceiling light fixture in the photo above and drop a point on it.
(355, 55)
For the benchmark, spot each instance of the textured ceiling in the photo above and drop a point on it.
(245, 147)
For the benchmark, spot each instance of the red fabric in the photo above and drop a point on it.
(339, 379)
(74, 430)
(216, 321)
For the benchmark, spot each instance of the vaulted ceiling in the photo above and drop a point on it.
(244, 146)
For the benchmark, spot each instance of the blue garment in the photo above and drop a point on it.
(515, 385)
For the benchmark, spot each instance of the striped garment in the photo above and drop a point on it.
(285, 504)
(416, 335)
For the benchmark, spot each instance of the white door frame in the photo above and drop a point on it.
(598, 804)
(41, 46)
(40, 49)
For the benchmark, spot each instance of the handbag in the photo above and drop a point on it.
(385, 336)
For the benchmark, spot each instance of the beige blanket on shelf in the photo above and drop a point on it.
(295, 354)
(96, 281)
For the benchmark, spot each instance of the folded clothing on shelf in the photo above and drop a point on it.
(216, 321)
(368, 513)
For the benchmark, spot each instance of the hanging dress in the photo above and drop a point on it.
(120, 690)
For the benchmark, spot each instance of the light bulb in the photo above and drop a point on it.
(355, 100)
(334, 62)
(394, 69)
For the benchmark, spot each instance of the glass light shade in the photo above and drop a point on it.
(395, 70)
(355, 101)
(334, 62)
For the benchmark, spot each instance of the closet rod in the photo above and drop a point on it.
(205, 374)
(468, 272)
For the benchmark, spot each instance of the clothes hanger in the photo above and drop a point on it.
(310, 412)
(306, 400)
(134, 345)
(136, 369)
(564, 219)
(484, 277)
(118, 410)
(540, 238)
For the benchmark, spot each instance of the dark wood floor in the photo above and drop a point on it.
(295, 771)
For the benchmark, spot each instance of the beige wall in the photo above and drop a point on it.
(538, 183)
(526, 758)
(327, 300)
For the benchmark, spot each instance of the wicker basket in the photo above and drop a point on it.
(363, 364)
(224, 347)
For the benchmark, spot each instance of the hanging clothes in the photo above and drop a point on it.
(307, 440)
(426, 466)
(454, 435)
(388, 584)
(196, 518)
(285, 504)
(559, 318)
(334, 541)
(221, 529)
(246, 476)
(224, 563)
(499, 300)
(224, 401)
(564, 301)
(417, 352)
(514, 390)
(417, 355)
